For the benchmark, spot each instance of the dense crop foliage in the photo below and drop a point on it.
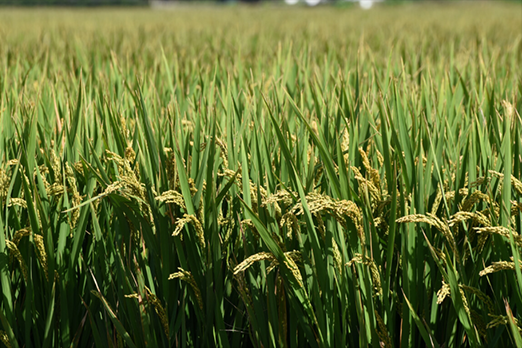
(261, 177)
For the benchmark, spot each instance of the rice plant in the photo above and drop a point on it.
(261, 177)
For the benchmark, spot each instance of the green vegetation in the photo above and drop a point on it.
(261, 177)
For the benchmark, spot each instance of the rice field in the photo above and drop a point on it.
(261, 176)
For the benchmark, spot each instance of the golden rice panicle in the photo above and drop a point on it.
(248, 223)
(376, 278)
(44, 170)
(4, 339)
(449, 196)
(498, 266)
(13, 249)
(319, 174)
(481, 242)
(171, 197)
(160, 311)
(373, 173)
(120, 162)
(434, 221)
(510, 112)
(516, 184)
(481, 219)
(444, 228)
(200, 214)
(366, 185)
(472, 199)
(357, 173)
(347, 208)
(55, 165)
(24, 232)
(133, 295)
(316, 202)
(223, 153)
(180, 223)
(272, 266)
(480, 180)
(465, 301)
(113, 187)
(381, 225)
(170, 167)
(338, 260)
(357, 258)
(187, 124)
(345, 145)
(254, 191)
(293, 255)
(41, 253)
(76, 197)
(78, 166)
(55, 189)
(478, 218)
(382, 332)
(516, 208)
(229, 225)
(496, 174)
(292, 266)
(20, 202)
(443, 292)
(292, 224)
(128, 177)
(186, 276)
(501, 230)
(192, 186)
(280, 196)
(459, 217)
(4, 184)
(130, 155)
(463, 192)
(249, 261)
